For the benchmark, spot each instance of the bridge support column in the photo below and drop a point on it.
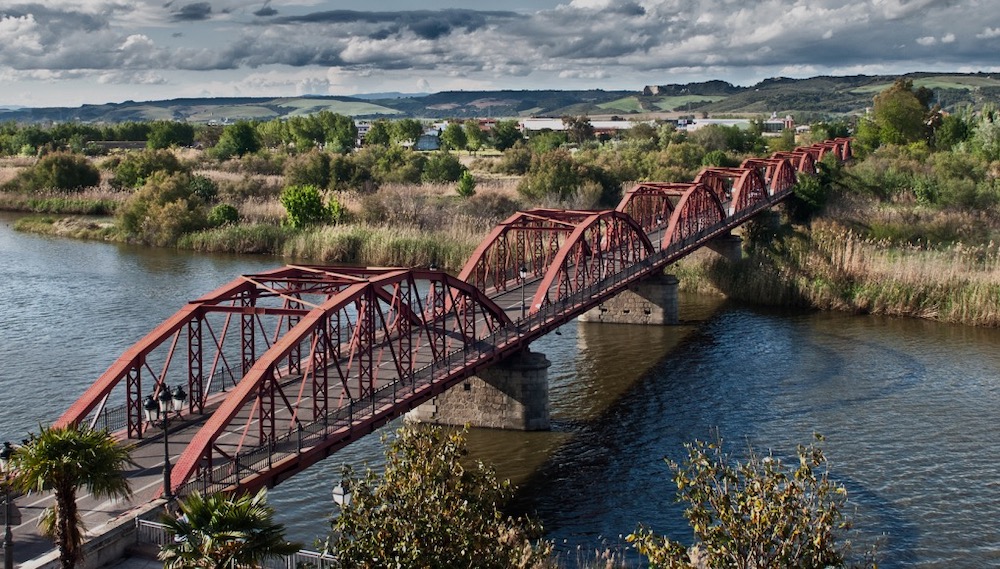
(652, 302)
(513, 394)
(729, 247)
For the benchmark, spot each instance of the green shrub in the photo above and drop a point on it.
(205, 188)
(223, 214)
(427, 509)
(310, 169)
(442, 167)
(163, 210)
(137, 167)
(305, 206)
(757, 512)
(466, 185)
(60, 171)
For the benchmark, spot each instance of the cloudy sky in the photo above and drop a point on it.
(71, 52)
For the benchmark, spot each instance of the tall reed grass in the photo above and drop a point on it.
(834, 267)
(386, 245)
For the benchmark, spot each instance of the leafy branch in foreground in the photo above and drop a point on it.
(429, 510)
(756, 513)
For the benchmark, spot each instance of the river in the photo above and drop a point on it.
(910, 409)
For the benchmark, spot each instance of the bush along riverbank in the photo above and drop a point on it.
(830, 266)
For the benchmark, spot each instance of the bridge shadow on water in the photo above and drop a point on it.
(626, 397)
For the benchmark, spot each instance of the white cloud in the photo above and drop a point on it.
(927, 40)
(948, 38)
(989, 33)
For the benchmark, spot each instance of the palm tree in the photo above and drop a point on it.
(63, 459)
(220, 531)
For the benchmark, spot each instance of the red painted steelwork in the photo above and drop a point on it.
(601, 243)
(397, 321)
(740, 187)
(803, 161)
(698, 208)
(777, 172)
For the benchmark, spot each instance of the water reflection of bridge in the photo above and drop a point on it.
(285, 367)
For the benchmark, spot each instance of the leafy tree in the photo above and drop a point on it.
(551, 175)
(641, 131)
(505, 134)
(466, 185)
(954, 129)
(379, 133)
(137, 167)
(546, 140)
(163, 210)
(900, 113)
(578, 129)
(475, 138)
(442, 167)
(305, 206)
(340, 134)
(397, 165)
(515, 160)
(312, 168)
(64, 459)
(755, 513)
(219, 532)
(406, 130)
(59, 171)
(454, 137)
(427, 509)
(718, 158)
(236, 140)
(164, 134)
(204, 187)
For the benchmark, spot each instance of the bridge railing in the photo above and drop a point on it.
(344, 421)
(155, 533)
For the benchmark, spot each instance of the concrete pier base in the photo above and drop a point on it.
(652, 302)
(513, 394)
(729, 246)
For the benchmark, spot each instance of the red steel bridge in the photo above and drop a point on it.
(285, 367)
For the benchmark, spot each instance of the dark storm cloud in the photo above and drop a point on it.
(192, 12)
(426, 24)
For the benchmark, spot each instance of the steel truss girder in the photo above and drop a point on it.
(391, 316)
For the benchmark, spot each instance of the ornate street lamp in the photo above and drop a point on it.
(6, 452)
(158, 413)
(341, 496)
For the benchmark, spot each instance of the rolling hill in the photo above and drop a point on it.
(812, 97)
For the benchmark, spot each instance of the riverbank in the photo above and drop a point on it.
(828, 265)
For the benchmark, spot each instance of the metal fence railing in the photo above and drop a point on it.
(155, 533)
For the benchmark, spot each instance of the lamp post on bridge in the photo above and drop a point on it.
(524, 275)
(8, 537)
(158, 413)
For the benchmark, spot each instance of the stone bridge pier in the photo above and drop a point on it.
(512, 394)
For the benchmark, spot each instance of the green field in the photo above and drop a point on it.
(939, 82)
(309, 106)
(678, 103)
(625, 105)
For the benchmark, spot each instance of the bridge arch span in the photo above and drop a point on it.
(649, 204)
(778, 173)
(600, 244)
(740, 187)
(698, 208)
(803, 161)
(374, 334)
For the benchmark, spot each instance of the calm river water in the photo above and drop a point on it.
(910, 409)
